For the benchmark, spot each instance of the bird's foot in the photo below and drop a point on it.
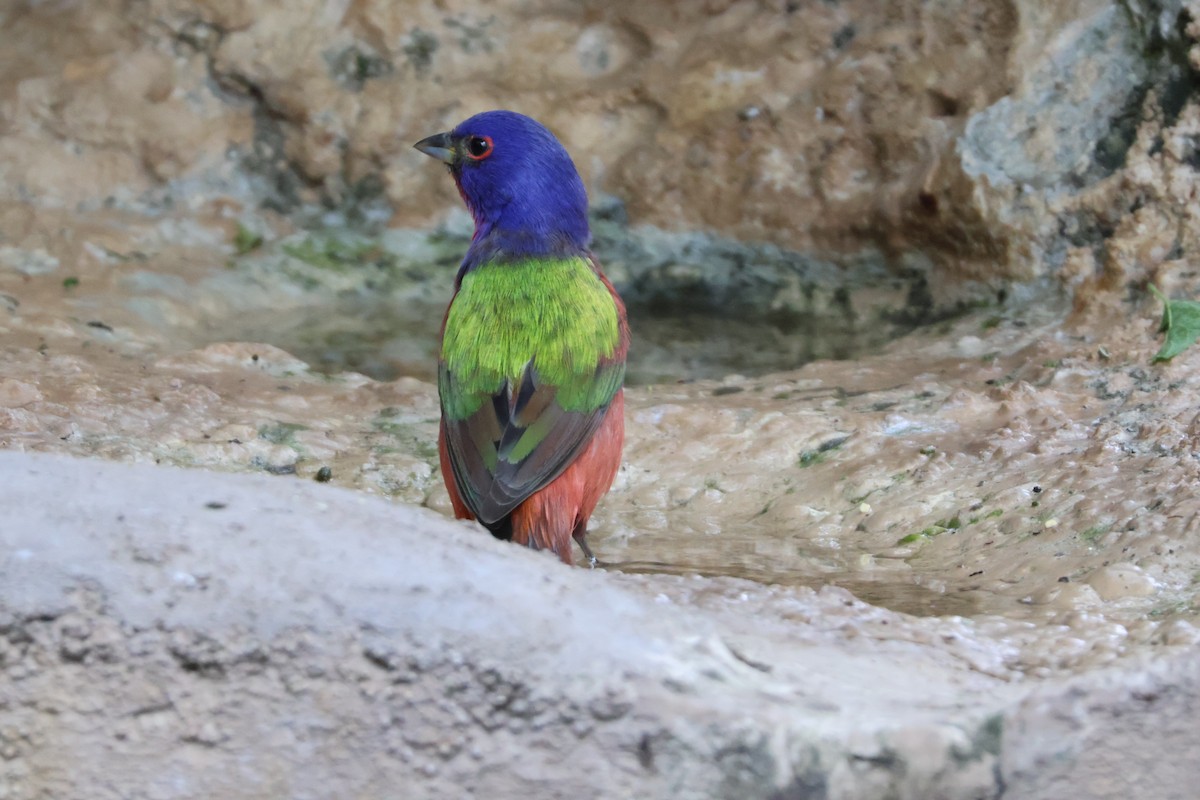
(587, 552)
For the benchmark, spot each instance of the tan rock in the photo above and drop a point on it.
(14, 393)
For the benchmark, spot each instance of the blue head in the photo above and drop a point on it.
(519, 184)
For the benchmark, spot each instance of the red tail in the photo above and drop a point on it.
(555, 514)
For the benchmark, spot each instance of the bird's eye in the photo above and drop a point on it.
(479, 147)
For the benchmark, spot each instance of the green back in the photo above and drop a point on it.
(557, 313)
(531, 357)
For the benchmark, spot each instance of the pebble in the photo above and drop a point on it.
(1121, 580)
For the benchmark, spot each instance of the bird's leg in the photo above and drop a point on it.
(587, 552)
(580, 535)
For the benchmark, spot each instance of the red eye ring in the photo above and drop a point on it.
(478, 147)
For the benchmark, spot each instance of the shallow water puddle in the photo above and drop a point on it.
(386, 342)
(903, 596)
(699, 308)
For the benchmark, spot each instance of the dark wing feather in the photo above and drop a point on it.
(520, 441)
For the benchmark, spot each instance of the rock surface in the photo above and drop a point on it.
(974, 143)
(1017, 502)
(175, 634)
(1001, 508)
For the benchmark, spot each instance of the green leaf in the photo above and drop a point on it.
(936, 529)
(246, 240)
(1181, 323)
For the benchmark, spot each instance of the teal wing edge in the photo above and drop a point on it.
(519, 440)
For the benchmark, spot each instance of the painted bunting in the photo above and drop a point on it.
(533, 344)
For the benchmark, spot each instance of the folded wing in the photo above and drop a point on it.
(520, 438)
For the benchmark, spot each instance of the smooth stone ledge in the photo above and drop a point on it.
(170, 633)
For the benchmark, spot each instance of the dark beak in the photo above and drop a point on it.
(439, 146)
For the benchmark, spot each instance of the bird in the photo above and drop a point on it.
(531, 361)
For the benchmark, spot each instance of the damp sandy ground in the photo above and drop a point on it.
(1029, 472)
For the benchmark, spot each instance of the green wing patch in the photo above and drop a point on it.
(527, 374)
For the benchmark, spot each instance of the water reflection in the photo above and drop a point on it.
(902, 596)
(386, 343)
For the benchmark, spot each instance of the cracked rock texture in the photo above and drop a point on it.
(204, 635)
